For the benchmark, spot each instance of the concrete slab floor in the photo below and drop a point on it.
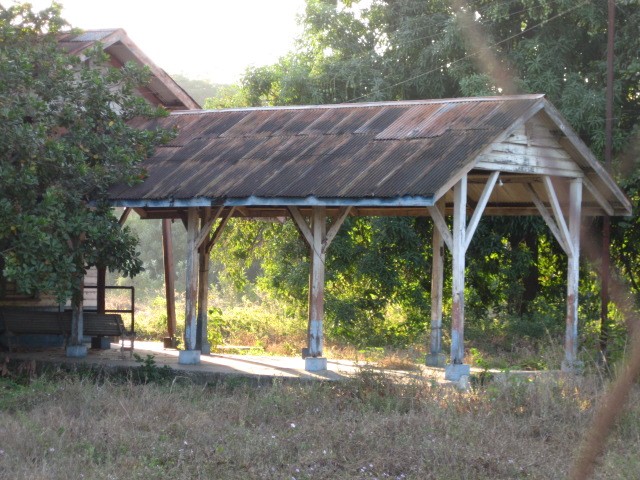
(216, 365)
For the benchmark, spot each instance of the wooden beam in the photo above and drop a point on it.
(548, 218)
(488, 162)
(435, 358)
(125, 214)
(557, 212)
(335, 226)
(202, 339)
(219, 229)
(301, 223)
(482, 203)
(207, 223)
(169, 279)
(458, 234)
(573, 277)
(441, 224)
(593, 190)
(191, 280)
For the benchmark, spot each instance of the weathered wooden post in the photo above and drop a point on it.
(315, 361)
(457, 368)
(435, 357)
(169, 283)
(76, 347)
(318, 240)
(202, 340)
(570, 362)
(191, 356)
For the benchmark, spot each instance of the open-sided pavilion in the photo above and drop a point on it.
(460, 158)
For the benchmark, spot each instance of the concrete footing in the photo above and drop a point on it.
(576, 367)
(315, 364)
(454, 372)
(436, 360)
(189, 357)
(76, 351)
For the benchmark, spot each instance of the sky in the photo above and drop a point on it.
(211, 40)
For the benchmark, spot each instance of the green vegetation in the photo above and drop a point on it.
(65, 140)
(66, 425)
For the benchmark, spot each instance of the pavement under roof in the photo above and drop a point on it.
(215, 365)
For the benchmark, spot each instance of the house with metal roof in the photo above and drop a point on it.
(459, 158)
(162, 90)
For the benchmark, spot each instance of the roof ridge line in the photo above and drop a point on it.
(391, 103)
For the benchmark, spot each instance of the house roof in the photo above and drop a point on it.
(162, 89)
(402, 155)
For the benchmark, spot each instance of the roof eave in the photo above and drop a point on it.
(253, 201)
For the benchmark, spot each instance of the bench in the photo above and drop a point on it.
(39, 322)
(108, 325)
(35, 322)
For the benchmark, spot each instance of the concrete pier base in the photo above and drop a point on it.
(315, 364)
(454, 372)
(189, 357)
(76, 351)
(576, 367)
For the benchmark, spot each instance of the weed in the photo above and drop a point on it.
(149, 372)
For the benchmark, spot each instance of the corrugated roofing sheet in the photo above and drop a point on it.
(374, 150)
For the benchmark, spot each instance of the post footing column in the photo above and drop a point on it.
(189, 357)
(315, 364)
(76, 351)
(575, 367)
(454, 371)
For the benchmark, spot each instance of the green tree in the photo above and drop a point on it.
(65, 140)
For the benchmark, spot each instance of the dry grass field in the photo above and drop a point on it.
(72, 426)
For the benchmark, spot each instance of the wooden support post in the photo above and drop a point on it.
(319, 241)
(570, 362)
(101, 289)
(76, 347)
(456, 369)
(190, 355)
(316, 304)
(169, 282)
(202, 341)
(436, 358)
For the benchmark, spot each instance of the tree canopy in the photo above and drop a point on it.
(65, 141)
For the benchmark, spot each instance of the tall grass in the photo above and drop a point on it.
(71, 426)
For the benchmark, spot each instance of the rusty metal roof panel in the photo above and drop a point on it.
(374, 150)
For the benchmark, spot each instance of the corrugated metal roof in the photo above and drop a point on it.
(356, 151)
